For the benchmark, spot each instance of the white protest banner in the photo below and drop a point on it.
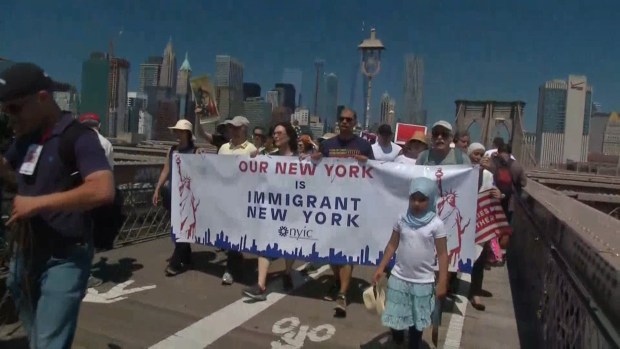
(337, 210)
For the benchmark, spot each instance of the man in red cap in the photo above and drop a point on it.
(92, 120)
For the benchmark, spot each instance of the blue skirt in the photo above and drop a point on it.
(408, 304)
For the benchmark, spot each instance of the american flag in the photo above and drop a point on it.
(491, 220)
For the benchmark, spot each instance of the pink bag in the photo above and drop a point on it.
(495, 255)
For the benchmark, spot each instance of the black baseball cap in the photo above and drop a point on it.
(23, 79)
(385, 130)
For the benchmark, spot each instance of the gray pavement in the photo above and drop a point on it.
(193, 310)
(496, 327)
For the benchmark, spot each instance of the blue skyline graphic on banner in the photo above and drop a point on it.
(274, 251)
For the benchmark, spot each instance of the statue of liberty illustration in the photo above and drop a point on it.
(188, 204)
(451, 216)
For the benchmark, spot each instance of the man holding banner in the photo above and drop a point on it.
(238, 145)
(345, 145)
(440, 152)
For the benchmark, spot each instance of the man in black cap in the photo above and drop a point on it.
(384, 149)
(57, 181)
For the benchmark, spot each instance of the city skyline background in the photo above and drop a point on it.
(479, 50)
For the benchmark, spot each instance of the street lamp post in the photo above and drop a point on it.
(371, 64)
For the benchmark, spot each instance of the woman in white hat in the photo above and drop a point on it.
(181, 258)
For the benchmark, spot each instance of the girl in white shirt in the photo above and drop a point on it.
(416, 236)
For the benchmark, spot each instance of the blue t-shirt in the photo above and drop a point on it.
(51, 176)
(336, 147)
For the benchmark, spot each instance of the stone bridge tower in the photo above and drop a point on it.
(492, 116)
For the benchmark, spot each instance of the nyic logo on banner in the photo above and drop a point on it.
(334, 211)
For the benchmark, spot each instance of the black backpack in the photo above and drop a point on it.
(107, 220)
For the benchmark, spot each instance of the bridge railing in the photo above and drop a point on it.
(143, 220)
(564, 268)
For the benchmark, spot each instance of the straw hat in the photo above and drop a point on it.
(418, 136)
(374, 297)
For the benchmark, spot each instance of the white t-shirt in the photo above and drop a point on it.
(490, 153)
(388, 153)
(487, 181)
(108, 149)
(402, 159)
(415, 256)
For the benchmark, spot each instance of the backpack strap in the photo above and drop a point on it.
(66, 147)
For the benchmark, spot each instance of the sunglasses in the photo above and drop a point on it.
(13, 108)
(443, 134)
(343, 119)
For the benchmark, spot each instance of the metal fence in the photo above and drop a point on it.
(551, 271)
(143, 220)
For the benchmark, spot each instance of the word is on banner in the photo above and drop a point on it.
(336, 211)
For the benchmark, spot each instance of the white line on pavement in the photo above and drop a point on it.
(455, 326)
(209, 329)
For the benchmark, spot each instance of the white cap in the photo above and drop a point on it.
(183, 125)
(444, 124)
(238, 121)
(473, 147)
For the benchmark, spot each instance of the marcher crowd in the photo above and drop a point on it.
(57, 200)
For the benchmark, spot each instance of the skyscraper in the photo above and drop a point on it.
(118, 87)
(611, 138)
(257, 111)
(273, 97)
(162, 105)
(250, 90)
(414, 81)
(137, 99)
(136, 104)
(331, 99)
(562, 128)
(67, 100)
(301, 115)
(184, 91)
(598, 124)
(228, 86)
(168, 77)
(388, 109)
(318, 66)
(95, 92)
(287, 95)
(293, 76)
(149, 72)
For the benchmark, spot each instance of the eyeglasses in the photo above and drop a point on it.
(343, 119)
(259, 135)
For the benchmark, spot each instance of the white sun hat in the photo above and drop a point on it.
(183, 125)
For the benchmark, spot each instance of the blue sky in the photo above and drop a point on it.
(472, 49)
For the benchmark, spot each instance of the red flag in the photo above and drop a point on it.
(491, 220)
